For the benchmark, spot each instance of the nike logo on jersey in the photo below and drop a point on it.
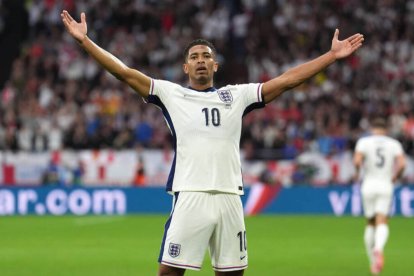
(242, 257)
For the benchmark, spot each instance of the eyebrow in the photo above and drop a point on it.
(203, 53)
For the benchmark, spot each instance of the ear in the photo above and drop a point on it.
(185, 68)
(215, 67)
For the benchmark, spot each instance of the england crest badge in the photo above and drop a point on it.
(174, 250)
(225, 96)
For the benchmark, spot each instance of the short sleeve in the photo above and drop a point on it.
(399, 149)
(359, 146)
(159, 90)
(252, 94)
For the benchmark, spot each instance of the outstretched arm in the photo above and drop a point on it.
(358, 159)
(400, 166)
(135, 79)
(297, 75)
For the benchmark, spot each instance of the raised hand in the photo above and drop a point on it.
(77, 30)
(343, 48)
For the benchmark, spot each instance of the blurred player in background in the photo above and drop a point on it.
(382, 161)
(205, 122)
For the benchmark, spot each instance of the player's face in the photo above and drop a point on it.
(200, 65)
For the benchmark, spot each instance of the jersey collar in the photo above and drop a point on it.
(210, 89)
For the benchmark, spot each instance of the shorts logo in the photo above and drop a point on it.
(225, 96)
(174, 250)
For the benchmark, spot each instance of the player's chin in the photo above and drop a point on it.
(203, 79)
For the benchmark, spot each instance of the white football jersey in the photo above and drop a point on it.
(379, 158)
(206, 128)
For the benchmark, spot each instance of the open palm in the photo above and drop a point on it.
(77, 30)
(343, 48)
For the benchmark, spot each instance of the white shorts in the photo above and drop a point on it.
(201, 221)
(376, 203)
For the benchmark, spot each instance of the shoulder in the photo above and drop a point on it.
(395, 142)
(240, 87)
(363, 144)
(164, 83)
(390, 140)
(164, 88)
(364, 139)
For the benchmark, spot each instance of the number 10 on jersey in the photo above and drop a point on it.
(213, 115)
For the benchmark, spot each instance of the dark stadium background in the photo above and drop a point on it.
(66, 123)
(76, 142)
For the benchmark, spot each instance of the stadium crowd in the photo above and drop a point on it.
(56, 97)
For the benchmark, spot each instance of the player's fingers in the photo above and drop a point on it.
(65, 16)
(355, 38)
(67, 25)
(356, 46)
(356, 43)
(83, 17)
(68, 16)
(336, 34)
(360, 40)
(64, 20)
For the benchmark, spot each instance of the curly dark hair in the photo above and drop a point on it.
(199, 41)
(379, 123)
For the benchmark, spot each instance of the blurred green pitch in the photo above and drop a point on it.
(129, 245)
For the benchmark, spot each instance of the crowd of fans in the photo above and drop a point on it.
(57, 97)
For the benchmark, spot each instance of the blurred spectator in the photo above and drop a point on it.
(57, 98)
(140, 178)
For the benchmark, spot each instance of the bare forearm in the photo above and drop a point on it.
(295, 76)
(303, 72)
(108, 61)
(357, 160)
(135, 79)
(401, 163)
(356, 175)
(398, 174)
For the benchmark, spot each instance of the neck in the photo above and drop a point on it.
(200, 86)
(379, 131)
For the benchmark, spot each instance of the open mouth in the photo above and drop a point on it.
(201, 69)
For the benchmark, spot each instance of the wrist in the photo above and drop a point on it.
(82, 40)
(332, 55)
